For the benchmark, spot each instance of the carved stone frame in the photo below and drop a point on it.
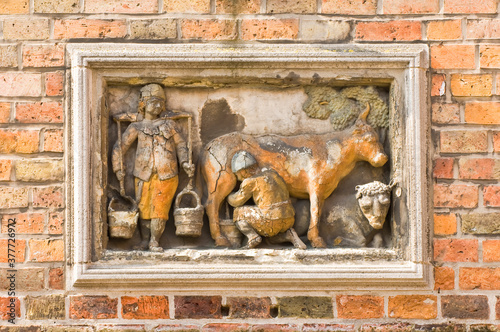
(406, 266)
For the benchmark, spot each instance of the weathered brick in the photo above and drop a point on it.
(57, 6)
(46, 250)
(26, 280)
(5, 169)
(92, 307)
(411, 7)
(26, 29)
(388, 327)
(482, 112)
(444, 327)
(8, 56)
(153, 29)
(49, 55)
(275, 328)
(122, 6)
(479, 278)
(360, 306)
(249, 307)
(389, 31)
(465, 306)
(226, 327)
(237, 6)
(25, 223)
(177, 327)
(349, 7)
(305, 307)
(45, 307)
(496, 141)
(54, 84)
(122, 328)
(56, 223)
(145, 307)
(208, 29)
(19, 141)
(455, 250)
(497, 308)
(444, 278)
(471, 85)
(323, 30)
(32, 170)
(67, 328)
(491, 195)
(19, 247)
(319, 327)
(483, 29)
(84, 28)
(455, 195)
(39, 112)
(445, 224)
(49, 197)
(291, 6)
(444, 30)
(13, 198)
(470, 6)
(56, 278)
(489, 56)
(181, 6)
(13, 84)
(453, 57)
(445, 113)
(53, 140)
(14, 7)
(463, 141)
(197, 307)
(253, 29)
(9, 306)
(483, 328)
(5, 112)
(438, 87)
(443, 168)
(476, 168)
(491, 251)
(413, 306)
(481, 223)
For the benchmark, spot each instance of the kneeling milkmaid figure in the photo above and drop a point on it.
(159, 144)
(273, 216)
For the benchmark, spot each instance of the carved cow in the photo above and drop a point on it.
(311, 165)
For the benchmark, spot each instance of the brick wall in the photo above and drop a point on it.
(463, 36)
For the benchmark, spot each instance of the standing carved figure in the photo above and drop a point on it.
(273, 214)
(159, 145)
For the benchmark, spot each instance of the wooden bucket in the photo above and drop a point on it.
(122, 218)
(188, 221)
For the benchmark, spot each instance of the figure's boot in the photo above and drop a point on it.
(254, 239)
(157, 229)
(289, 236)
(144, 229)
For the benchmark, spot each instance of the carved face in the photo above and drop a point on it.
(375, 208)
(154, 105)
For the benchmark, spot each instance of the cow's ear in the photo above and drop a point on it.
(364, 114)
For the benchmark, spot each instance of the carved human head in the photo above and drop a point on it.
(243, 165)
(152, 99)
(374, 199)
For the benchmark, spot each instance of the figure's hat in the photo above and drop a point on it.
(152, 90)
(242, 160)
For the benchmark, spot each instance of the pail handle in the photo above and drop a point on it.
(187, 192)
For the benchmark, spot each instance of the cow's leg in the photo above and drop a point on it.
(313, 232)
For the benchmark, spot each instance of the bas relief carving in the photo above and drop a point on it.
(248, 172)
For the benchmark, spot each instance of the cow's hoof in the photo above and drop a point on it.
(221, 241)
(318, 243)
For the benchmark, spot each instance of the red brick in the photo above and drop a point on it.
(43, 55)
(444, 30)
(275, 328)
(46, 250)
(26, 223)
(14, 84)
(56, 278)
(455, 195)
(54, 84)
(482, 112)
(445, 224)
(489, 56)
(491, 251)
(13, 198)
(19, 247)
(438, 85)
(48, 197)
(470, 6)
(5, 302)
(237, 6)
(26, 280)
(483, 29)
(145, 307)
(26, 29)
(39, 112)
(390, 327)
(254, 29)
(53, 140)
(465, 306)
(445, 113)
(249, 307)
(5, 169)
(476, 168)
(84, 28)
(413, 306)
(471, 85)
(14, 7)
(182, 6)
(443, 168)
(389, 31)
(93, 307)
(496, 141)
(455, 250)
(479, 278)
(453, 57)
(226, 327)
(209, 29)
(5, 112)
(444, 278)
(319, 327)
(177, 327)
(291, 6)
(463, 141)
(491, 196)
(349, 7)
(197, 307)
(411, 7)
(360, 306)
(122, 6)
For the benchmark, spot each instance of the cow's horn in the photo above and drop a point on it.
(364, 114)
